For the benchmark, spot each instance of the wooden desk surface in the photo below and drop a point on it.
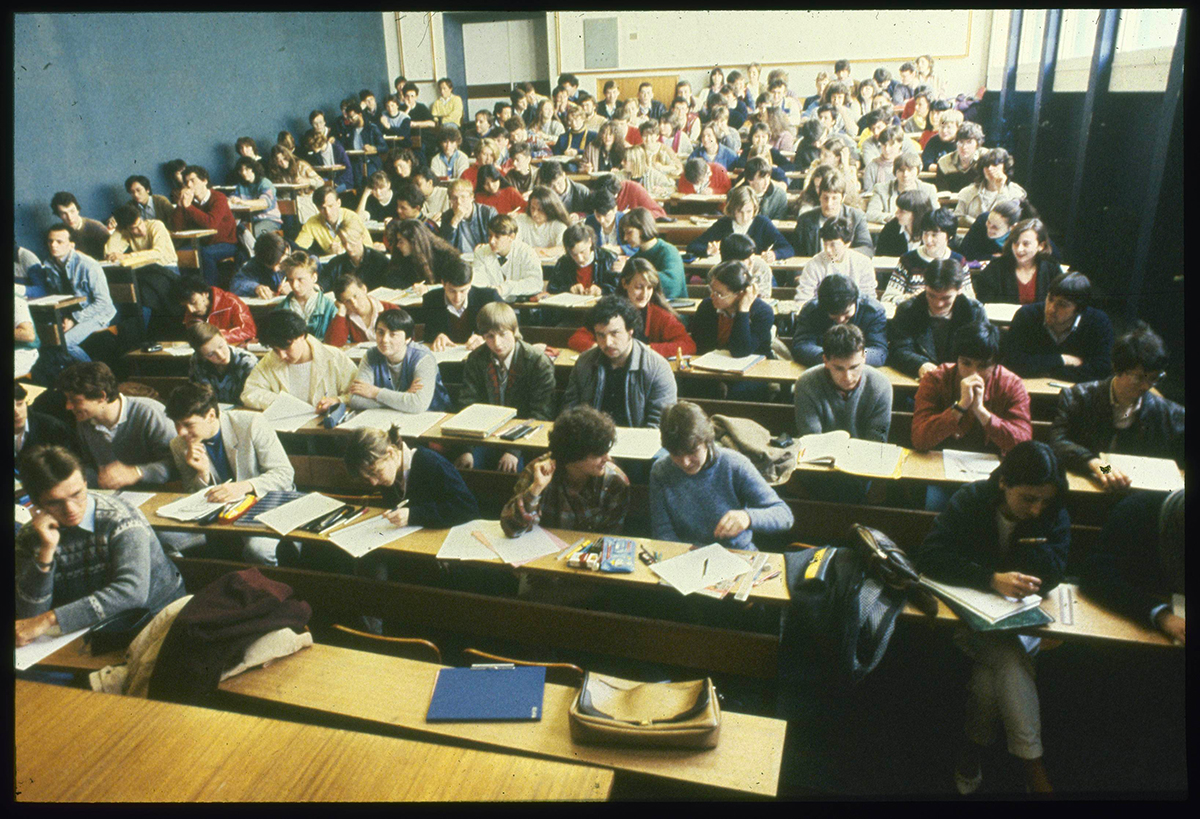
(62, 304)
(328, 168)
(79, 746)
(395, 692)
(131, 261)
(195, 233)
(248, 206)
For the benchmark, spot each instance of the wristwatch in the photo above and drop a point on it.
(958, 409)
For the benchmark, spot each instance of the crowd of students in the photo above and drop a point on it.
(484, 238)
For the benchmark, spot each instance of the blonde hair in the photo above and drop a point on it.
(497, 316)
(298, 260)
(737, 198)
(637, 160)
(461, 184)
(488, 144)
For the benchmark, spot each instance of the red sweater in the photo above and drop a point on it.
(664, 333)
(633, 195)
(935, 421)
(718, 181)
(505, 200)
(343, 331)
(230, 315)
(214, 215)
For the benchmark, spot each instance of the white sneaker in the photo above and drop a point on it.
(967, 785)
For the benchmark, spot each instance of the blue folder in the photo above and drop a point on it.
(472, 694)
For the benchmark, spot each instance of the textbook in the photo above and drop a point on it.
(853, 456)
(636, 443)
(410, 424)
(479, 420)
(988, 611)
(487, 693)
(722, 361)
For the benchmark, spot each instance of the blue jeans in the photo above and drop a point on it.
(210, 255)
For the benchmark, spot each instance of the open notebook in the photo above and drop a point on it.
(851, 455)
(722, 361)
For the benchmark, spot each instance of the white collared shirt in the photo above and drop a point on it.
(122, 417)
(1059, 339)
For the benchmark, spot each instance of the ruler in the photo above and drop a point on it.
(746, 583)
(1066, 605)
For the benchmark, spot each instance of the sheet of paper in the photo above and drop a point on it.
(295, 514)
(288, 413)
(699, 568)
(365, 536)
(22, 515)
(255, 301)
(52, 299)
(180, 350)
(255, 347)
(637, 444)
(723, 361)
(190, 508)
(135, 499)
(999, 312)
(391, 294)
(410, 424)
(1160, 474)
(871, 459)
(460, 544)
(451, 354)
(518, 551)
(567, 300)
(27, 656)
(823, 446)
(968, 466)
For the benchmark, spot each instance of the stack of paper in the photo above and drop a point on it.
(567, 300)
(302, 510)
(368, 535)
(1001, 313)
(288, 413)
(411, 425)
(722, 361)
(479, 420)
(1156, 474)
(255, 301)
(457, 353)
(636, 443)
(193, 507)
(135, 499)
(989, 606)
(700, 568)
(968, 466)
(853, 456)
(485, 540)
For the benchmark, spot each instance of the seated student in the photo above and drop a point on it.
(704, 493)
(734, 317)
(574, 196)
(845, 393)
(32, 428)
(417, 255)
(886, 139)
(991, 185)
(68, 272)
(217, 307)
(357, 312)
(506, 371)
(492, 189)
(832, 192)
(447, 109)
(150, 205)
(974, 403)
(545, 128)
(486, 153)
(647, 106)
(1008, 534)
(216, 364)
(235, 453)
(366, 98)
(639, 231)
(902, 232)
(605, 222)
(284, 167)
(1063, 337)
(944, 140)
(126, 437)
(25, 340)
(368, 264)
(418, 112)
(254, 187)
(394, 121)
(921, 334)
(1137, 564)
(133, 234)
(881, 200)
(202, 208)
(88, 235)
(937, 226)
(742, 217)
(759, 145)
(474, 132)
(771, 198)
(410, 204)
(710, 149)
(920, 122)
(543, 223)
(322, 229)
(305, 297)
(988, 233)
(506, 263)
(574, 141)
(400, 164)
(607, 107)
(839, 301)
(322, 151)
(464, 223)
(621, 375)
(704, 178)
(902, 89)
(685, 127)
(520, 176)
(298, 364)
(630, 195)
(955, 170)
(450, 314)
(836, 257)
(808, 149)
(738, 247)
(1024, 269)
(1119, 414)
(449, 162)
(398, 373)
(575, 485)
(378, 201)
(585, 268)
(83, 557)
(261, 277)
(662, 330)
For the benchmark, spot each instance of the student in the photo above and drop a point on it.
(253, 186)
(920, 335)
(637, 167)
(836, 257)
(973, 403)
(736, 319)
(394, 121)
(727, 137)
(684, 118)
(492, 190)
(885, 138)
(217, 307)
(846, 392)
(203, 208)
(1119, 414)
(711, 150)
(989, 232)
(505, 371)
(925, 76)
(321, 151)
(832, 191)
(126, 437)
(33, 429)
(738, 247)
(68, 272)
(83, 557)
(366, 98)
(450, 162)
(605, 222)
(1063, 337)
(937, 226)
(304, 297)
(716, 79)
(437, 198)
(601, 153)
(638, 230)
(284, 167)
(991, 185)
(808, 150)
(575, 197)
(575, 485)
(662, 330)
(901, 233)
(585, 268)
(771, 199)
(545, 128)
(945, 139)
(417, 254)
(839, 301)
(398, 373)
(464, 223)
(704, 178)
(704, 493)
(919, 123)
(477, 130)
(357, 312)
(377, 203)
(1137, 563)
(132, 233)
(447, 109)
(451, 313)
(520, 176)
(418, 112)
(88, 235)
(234, 453)
(150, 205)
(621, 376)
(400, 164)
(1008, 534)
(1025, 268)
(367, 264)
(216, 364)
(607, 107)
(322, 229)
(173, 170)
(507, 263)
(902, 89)
(742, 217)
(487, 153)
(261, 277)
(630, 195)
(298, 364)
(955, 170)
(881, 202)
(543, 223)
(574, 141)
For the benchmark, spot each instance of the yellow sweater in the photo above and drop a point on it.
(157, 238)
(449, 110)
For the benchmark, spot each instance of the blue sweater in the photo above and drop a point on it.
(687, 508)
(762, 230)
(812, 322)
(750, 334)
(725, 157)
(437, 496)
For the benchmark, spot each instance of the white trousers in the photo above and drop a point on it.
(1002, 686)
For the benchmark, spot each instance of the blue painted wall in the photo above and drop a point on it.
(98, 97)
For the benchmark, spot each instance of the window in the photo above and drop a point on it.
(1142, 29)
(1077, 39)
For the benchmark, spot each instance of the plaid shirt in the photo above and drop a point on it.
(599, 507)
(228, 384)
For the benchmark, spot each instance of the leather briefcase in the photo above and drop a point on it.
(610, 710)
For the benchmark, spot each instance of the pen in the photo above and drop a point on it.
(704, 573)
(529, 431)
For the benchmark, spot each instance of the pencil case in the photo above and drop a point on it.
(616, 555)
